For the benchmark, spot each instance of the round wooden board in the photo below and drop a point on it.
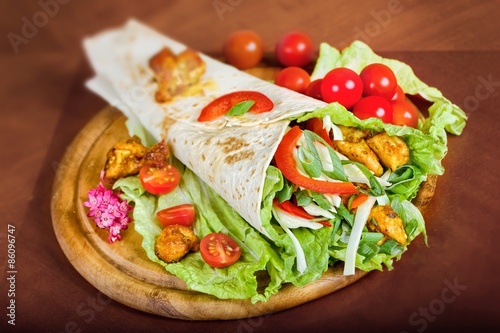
(122, 270)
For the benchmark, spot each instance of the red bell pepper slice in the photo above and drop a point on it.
(289, 207)
(221, 105)
(286, 163)
(359, 200)
(316, 125)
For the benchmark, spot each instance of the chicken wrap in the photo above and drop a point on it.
(314, 184)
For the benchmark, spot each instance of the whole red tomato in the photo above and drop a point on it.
(373, 106)
(399, 95)
(405, 113)
(378, 80)
(293, 78)
(294, 49)
(243, 49)
(314, 89)
(342, 85)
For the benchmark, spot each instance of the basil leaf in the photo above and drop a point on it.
(405, 181)
(403, 173)
(240, 108)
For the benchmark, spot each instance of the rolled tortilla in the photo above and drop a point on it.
(121, 57)
(230, 154)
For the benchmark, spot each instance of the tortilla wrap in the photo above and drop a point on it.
(230, 154)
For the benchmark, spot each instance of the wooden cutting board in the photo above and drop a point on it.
(122, 270)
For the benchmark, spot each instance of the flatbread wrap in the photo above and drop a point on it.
(295, 200)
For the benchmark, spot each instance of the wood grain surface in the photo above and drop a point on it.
(122, 270)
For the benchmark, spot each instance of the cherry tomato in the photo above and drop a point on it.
(378, 80)
(219, 250)
(221, 105)
(399, 95)
(373, 106)
(405, 113)
(294, 49)
(314, 89)
(182, 214)
(159, 179)
(243, 49)
(293, 78)
(342, 85)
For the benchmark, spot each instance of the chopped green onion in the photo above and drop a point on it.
(375, 188)
(309, 162)
(338, 171)
(372, 237)
(391, 247)
(368, 250)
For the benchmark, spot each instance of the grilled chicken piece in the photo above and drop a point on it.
(391, 150)
(387, 222)
(352, 134)
(157, 154)
(355, 148)
(126, 158)
(175, 73)
(174, 242)
(123, 159)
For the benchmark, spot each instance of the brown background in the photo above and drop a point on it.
(452, 45)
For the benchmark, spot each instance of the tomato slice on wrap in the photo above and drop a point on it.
(221, 105)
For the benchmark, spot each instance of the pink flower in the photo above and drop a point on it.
(108, 211)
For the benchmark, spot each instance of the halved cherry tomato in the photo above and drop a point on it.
(293, 78)
(316, 125)
(373, 106)
(342, 85)
(181, 214)
(294, 49)
(286, 163)
(378, 80)
(221, 105)
(159, 179)
(243, 49)
(405, 113)
(219, 250)
(289, 207)
(314, 89)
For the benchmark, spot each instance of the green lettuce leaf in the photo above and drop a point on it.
(426, 151)
(444, 116)
(261, 259)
